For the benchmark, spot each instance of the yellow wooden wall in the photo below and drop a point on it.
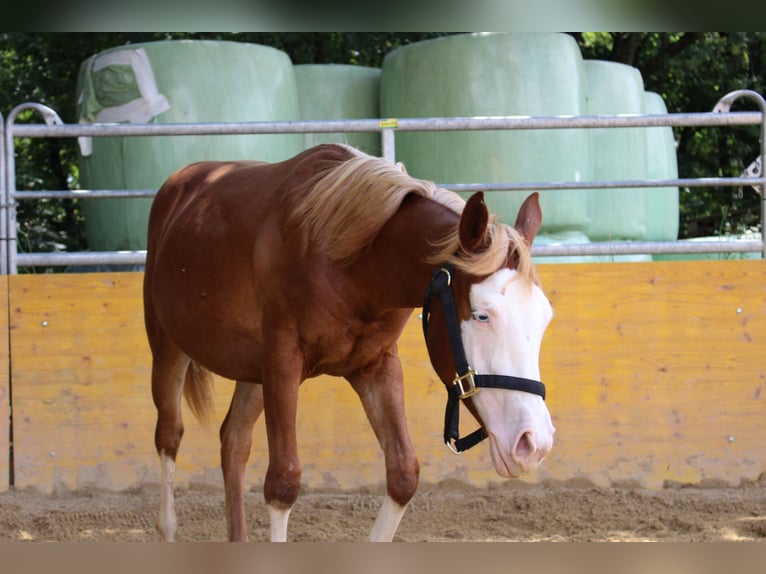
(4, 386)
(655, 373)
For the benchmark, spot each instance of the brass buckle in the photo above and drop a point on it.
(452, 447)
(466, 384)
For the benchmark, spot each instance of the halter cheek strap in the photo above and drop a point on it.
(466, 382)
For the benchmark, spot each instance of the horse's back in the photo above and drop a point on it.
(245, 187)
(183, 188)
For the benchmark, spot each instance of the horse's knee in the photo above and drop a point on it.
(281, 487)
(167, 437)
(402, 481)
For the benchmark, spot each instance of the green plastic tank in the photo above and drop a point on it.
(339, 92)
(617, 153)
(497, 74)
(174, 82)
(662, 203)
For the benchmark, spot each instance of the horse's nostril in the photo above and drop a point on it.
(524, 448)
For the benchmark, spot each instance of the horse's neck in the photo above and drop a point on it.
(396, 258)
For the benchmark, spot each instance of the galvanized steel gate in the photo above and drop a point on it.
(721, 116)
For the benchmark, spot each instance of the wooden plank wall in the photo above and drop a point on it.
(657, 372)
(4, 388)
(655, 375)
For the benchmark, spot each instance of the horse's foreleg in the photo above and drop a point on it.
(283, 477)
(381, 391)
(236, 441)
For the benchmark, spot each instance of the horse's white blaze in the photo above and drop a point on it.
(503, 338)
(387, 521)
(278, 518)
(167, 522)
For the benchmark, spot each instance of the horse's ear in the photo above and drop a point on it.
(473, 224)
(530, 218)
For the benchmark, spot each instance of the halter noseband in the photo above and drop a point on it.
(466, 382)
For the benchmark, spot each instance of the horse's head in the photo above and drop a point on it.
(502, 316)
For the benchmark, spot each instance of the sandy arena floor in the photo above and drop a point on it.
(450, 511)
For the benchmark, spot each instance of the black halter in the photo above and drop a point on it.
(466, 382)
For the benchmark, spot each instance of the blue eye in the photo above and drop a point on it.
(480, 316)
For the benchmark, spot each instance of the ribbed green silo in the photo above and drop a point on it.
(174, 82)
(499, 74)
(662, 203)
(617, 153)
(339, 92)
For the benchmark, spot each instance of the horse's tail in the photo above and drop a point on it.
(198, 392)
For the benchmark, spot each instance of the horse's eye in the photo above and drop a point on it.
(481, 316)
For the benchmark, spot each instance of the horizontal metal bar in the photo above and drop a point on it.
(577, 122)
(84, 193)
(648, 248)
(490, 187)
(377, 125)
(692, 182)
(605, 248)
(62, 259)
(195, 129)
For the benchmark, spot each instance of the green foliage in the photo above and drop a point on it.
(690, 70)
(43, 68)
(715, 65)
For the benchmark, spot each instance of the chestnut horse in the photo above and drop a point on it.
(272, 273)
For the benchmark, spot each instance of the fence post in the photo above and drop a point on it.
(9, 203)
(3, 201)
(724, 105)
(387, 139)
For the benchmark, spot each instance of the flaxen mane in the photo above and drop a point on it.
(348, 205)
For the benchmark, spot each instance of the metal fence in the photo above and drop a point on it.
(53, 127)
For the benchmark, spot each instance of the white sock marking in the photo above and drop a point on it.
(278, 518)
(167, 522)
(387, 521)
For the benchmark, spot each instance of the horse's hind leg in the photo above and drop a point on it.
(169, 366)
(380, 389)
(236, 441)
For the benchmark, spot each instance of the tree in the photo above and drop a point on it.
(692, 71)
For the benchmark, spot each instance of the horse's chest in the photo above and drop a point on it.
(343, 350)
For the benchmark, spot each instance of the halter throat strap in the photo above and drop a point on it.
(466, 382)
